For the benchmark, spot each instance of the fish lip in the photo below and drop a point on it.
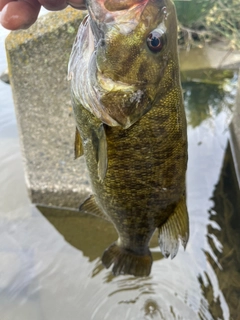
(102, 19)
(98, 12)
(107, 84)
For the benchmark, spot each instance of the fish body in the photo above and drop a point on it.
(131, 127)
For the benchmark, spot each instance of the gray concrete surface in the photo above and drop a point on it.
(214, 56)
(235, 134)
(38, 59)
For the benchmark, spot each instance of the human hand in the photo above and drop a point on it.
(21, 14)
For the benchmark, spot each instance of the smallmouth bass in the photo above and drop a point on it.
(131, 127)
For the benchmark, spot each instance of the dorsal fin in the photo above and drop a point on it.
(90, 206)
(78, 147)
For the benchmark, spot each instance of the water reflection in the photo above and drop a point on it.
(223, 238)
(206, 97)
(90, 234)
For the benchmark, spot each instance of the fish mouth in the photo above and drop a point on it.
(108, 85)
(105, 10)
(105, 14)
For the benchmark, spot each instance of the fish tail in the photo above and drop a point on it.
(173, 231)
(126, 261)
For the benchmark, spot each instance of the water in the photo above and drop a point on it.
(42, 276)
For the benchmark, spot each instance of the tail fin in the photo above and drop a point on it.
(127, 262)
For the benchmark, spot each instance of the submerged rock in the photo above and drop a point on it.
(4, 76)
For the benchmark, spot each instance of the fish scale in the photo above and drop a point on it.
(137, 161)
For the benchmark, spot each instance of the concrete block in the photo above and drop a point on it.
(209, 57)
(235, 133)
(37, 60)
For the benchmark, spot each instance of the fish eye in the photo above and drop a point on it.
(156, 41)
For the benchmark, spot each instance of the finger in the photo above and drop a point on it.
(3, 3)
(78, 4)
(54, 5)
(19, 14)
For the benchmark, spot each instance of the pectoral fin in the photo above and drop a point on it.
(78, 147)
(174, 229)
(90, 206)
(102, 154)
(99, 144)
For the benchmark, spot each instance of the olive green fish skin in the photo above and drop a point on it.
(145, 177)
(146, 168)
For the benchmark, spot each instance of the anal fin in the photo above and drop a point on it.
(175, 229)
(90, 206)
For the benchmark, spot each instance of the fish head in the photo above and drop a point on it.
(125, 58)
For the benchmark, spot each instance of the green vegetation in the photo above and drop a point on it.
(191, 11)
(209, 20)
